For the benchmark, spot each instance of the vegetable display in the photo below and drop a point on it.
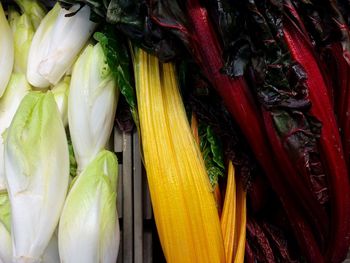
(241, 108)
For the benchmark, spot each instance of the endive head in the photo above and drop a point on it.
(60, 92)
(23, 32)
(37, 174)
(92, 103)
(34, 9)
(90, 211)
(17, 88)
(6, 51)
(56, 44)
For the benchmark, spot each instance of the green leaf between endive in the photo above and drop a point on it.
(118, 59)
(5, 236)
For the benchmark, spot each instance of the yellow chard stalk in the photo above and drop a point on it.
(233, 218)
(184, 207)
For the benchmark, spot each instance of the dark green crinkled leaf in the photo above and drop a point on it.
(283, 91)
(324, 23)
(230, 22)
(216, 148)
(97, 7)
(276, 81)
(212, 153)
(344, 7)
(119, 61)
(153, 25)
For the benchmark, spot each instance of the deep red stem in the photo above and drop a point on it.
(248, 255)
(304, 195)
(332, 152)
(239, 103)
(255, 232)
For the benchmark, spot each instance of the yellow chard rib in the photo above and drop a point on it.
(241, 221)
(184, 208)
(233, 219)
(228, 217)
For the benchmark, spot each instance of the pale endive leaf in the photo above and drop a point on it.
(5, 236)
(23, 32)
(34, 9)
(92, 103)
(90, 211)
(51, 254)
(6, 51)
(60, 92)
(37, 173)
(56, 44)
(16, 89)
(40, 47)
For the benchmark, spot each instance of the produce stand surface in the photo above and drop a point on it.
(139, 241)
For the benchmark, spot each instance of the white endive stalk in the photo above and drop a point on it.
(23, 32)
(34, 9)
(37, 173)
(56, 44)
(90, 212)
(6, 51)
(17, 88)
(92, 103)
(5, 232)
(61, 91)
(51, 252)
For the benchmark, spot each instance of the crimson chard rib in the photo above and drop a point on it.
(322, 24)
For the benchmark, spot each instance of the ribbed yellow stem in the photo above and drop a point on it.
(241, 220)
(194, 127)
(228, 216)
(183, 204)
(233, 218)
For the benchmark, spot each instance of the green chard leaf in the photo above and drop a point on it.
(212, 152)
(118, 59)
(72, 161)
